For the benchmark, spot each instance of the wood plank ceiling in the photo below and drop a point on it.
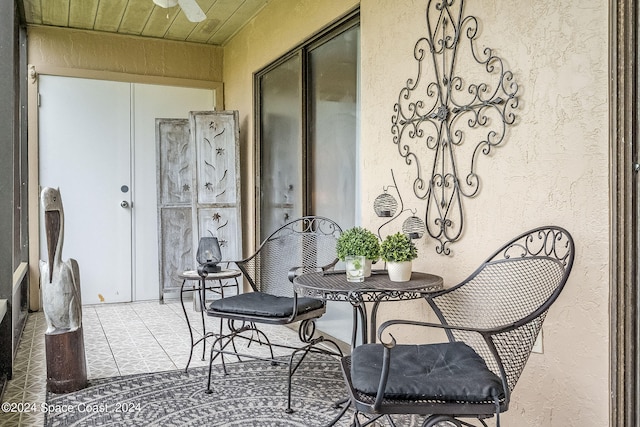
(143, 18)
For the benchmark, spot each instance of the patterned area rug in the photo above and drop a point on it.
(254, 393)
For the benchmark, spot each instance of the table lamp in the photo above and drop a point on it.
(208, 256)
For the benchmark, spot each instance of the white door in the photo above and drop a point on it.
(84, 144)
(152, 102)
(96, 137)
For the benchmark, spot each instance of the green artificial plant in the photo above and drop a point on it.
(358, 241)
(398, 248)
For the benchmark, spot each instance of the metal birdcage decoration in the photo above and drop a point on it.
(385, 205)
(414, 227)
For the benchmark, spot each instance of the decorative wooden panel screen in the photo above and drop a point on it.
(198, 179)
(217, 185)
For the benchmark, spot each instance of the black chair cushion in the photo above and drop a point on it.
(447, 372)
(263, 305)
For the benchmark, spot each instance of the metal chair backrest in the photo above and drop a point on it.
(508, 296)
(304, 245)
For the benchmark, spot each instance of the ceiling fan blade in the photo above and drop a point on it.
(166, 3)
(192, 10)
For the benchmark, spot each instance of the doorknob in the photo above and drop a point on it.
(124, 204)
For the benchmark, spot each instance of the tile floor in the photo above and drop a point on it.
(120, 339)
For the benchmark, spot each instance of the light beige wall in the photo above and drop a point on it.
(77, 53)
(281, 26)
(552, 169)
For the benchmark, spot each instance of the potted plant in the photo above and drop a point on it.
(359, 241)
(398, 251)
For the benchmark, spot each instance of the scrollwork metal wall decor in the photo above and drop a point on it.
(456, 108)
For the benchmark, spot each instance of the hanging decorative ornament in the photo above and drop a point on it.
(413, 227)
(385, 205)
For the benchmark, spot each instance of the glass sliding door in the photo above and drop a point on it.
(280, 148)
(332, 128)
(307, 140)
(332, 146)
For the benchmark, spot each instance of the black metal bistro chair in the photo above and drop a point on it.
(491, 321)
(304, 245)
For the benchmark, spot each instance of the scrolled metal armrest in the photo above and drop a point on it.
(388, 323)
(384, 372)
(293, 273)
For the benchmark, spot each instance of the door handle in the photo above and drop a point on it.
(124, 204)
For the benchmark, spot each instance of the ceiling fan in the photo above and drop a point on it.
(190, 8)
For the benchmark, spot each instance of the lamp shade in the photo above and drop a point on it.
(208, 255)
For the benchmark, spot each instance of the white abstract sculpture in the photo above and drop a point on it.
(60, 280)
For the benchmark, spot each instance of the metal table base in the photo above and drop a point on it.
(188, 279)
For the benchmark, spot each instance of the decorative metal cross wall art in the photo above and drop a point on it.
(457, 108)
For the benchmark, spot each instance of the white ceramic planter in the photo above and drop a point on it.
(399, 271)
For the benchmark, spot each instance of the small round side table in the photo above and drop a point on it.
(192, 282)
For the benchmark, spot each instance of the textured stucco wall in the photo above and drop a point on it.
(552, 169)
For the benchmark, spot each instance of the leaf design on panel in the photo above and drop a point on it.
(218, 134)
(216, 217)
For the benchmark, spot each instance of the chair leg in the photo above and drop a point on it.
(345, 403)
(292, 370)
(293, 367)
(305, 333)
(370, 421)
(212, 358)
(208, 390)
(355, 421)
(229, 339)
(435, 420)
